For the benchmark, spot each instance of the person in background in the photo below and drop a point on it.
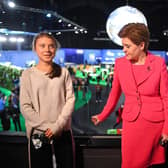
(13, 109)
(47, 102)
(98, 89)
(4, 116)
(2, 106)
(143, 79)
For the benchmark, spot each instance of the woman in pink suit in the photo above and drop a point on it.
(143, 79)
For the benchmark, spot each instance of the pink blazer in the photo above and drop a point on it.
(148, 97)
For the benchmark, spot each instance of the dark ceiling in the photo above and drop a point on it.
(90, 14)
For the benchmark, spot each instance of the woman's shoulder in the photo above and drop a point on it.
(158, 61)
(156, 58)
(27, 71)
(120, 60)
(65, 70)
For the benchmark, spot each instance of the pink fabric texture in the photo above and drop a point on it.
(146, 107)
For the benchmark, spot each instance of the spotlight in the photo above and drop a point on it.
(48, 15)
(58, 33)
(11, 4)
(165, 32)
(12, 39)
(20, 40)
(3, 39)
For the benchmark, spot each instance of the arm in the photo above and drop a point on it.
(113, 98)
(164, 96)
(31, 116)
(68, 108)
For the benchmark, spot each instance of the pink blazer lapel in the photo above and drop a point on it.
(149, 69)
(128, 74)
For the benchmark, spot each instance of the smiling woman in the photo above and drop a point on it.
(45, 49)
(47, 102)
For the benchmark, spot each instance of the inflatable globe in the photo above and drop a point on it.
(120, 17)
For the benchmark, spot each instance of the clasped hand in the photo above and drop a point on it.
(48, 133)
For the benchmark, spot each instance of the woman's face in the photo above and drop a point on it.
(45, 49)
(131, 50)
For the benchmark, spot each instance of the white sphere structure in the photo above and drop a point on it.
(120, 17)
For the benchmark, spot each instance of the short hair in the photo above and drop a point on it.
(45, 34)
(137, 33)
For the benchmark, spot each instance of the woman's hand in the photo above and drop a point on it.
(95, 120)
(164, 140)
(48, 133)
